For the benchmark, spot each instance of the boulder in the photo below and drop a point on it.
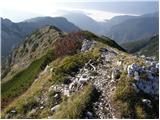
(41, 107)
(7, 116)
(94, 68)
(51, 69)
(103, 50)
(58, 88)
(157, 65)
(86, 45)
(115, 74)
(119, 63)
(89, 115)
(83, 79)
(51, 88)
(56, 95)
(33, 111)
(66, 91)
(131, 68)
(136, 76)
(125, 67)
(142, 56)
(135, 87)
(147, 102)
(109, 57)
(13, 111)
(73, 86)
(150, 76)
(53, 109)
(47, 69)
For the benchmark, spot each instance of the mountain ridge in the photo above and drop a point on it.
(144, 47)
(10, 40)
(80, 75)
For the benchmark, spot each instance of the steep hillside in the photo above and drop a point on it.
(14, 33)
(79, 18)
(33, 47)
(122, 28)
(97, 27)
(151, 49)
(59, 22)
(134, 29)
(11, 35)
(147, 47)
(81, 75)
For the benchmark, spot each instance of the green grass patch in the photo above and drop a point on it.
(71, 64)
(21, 81)
(74, 107)
(129, 103)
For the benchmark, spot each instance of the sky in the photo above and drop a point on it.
(19, 10)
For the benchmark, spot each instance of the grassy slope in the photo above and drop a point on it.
(72, 64)
(152, 48)
(75, 105)
(128, 102)
(148, 47)
(69, 63)
(21, 81)
(62, 70)
(104, 40)
(135, 46)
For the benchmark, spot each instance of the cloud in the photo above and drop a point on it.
(19, 10)
(102, 15)
(97, 15)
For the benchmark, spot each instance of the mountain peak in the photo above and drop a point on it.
(35, 45)
(47, 28)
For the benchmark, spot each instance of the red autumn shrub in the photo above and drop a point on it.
(69, 44)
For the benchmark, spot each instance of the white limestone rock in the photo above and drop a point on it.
(53, 109)
(147, 102)
(84, 78)
(86, 45)
(47, 69)
(136, 76)
(56, 95)
(13, 111)
(115, 74)
(135, 87)
(157, 65)
(131, 68)
(66, 91)
(89, 115)
(41, 107)
(119, 63)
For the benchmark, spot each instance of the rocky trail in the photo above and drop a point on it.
(100, 75)
(105, 85)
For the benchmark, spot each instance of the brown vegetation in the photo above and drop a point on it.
(68, 45)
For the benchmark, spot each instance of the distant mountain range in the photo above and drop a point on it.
(120, 28)
(147, 47)
(134, 29)
(85, 22)
(14, 33)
